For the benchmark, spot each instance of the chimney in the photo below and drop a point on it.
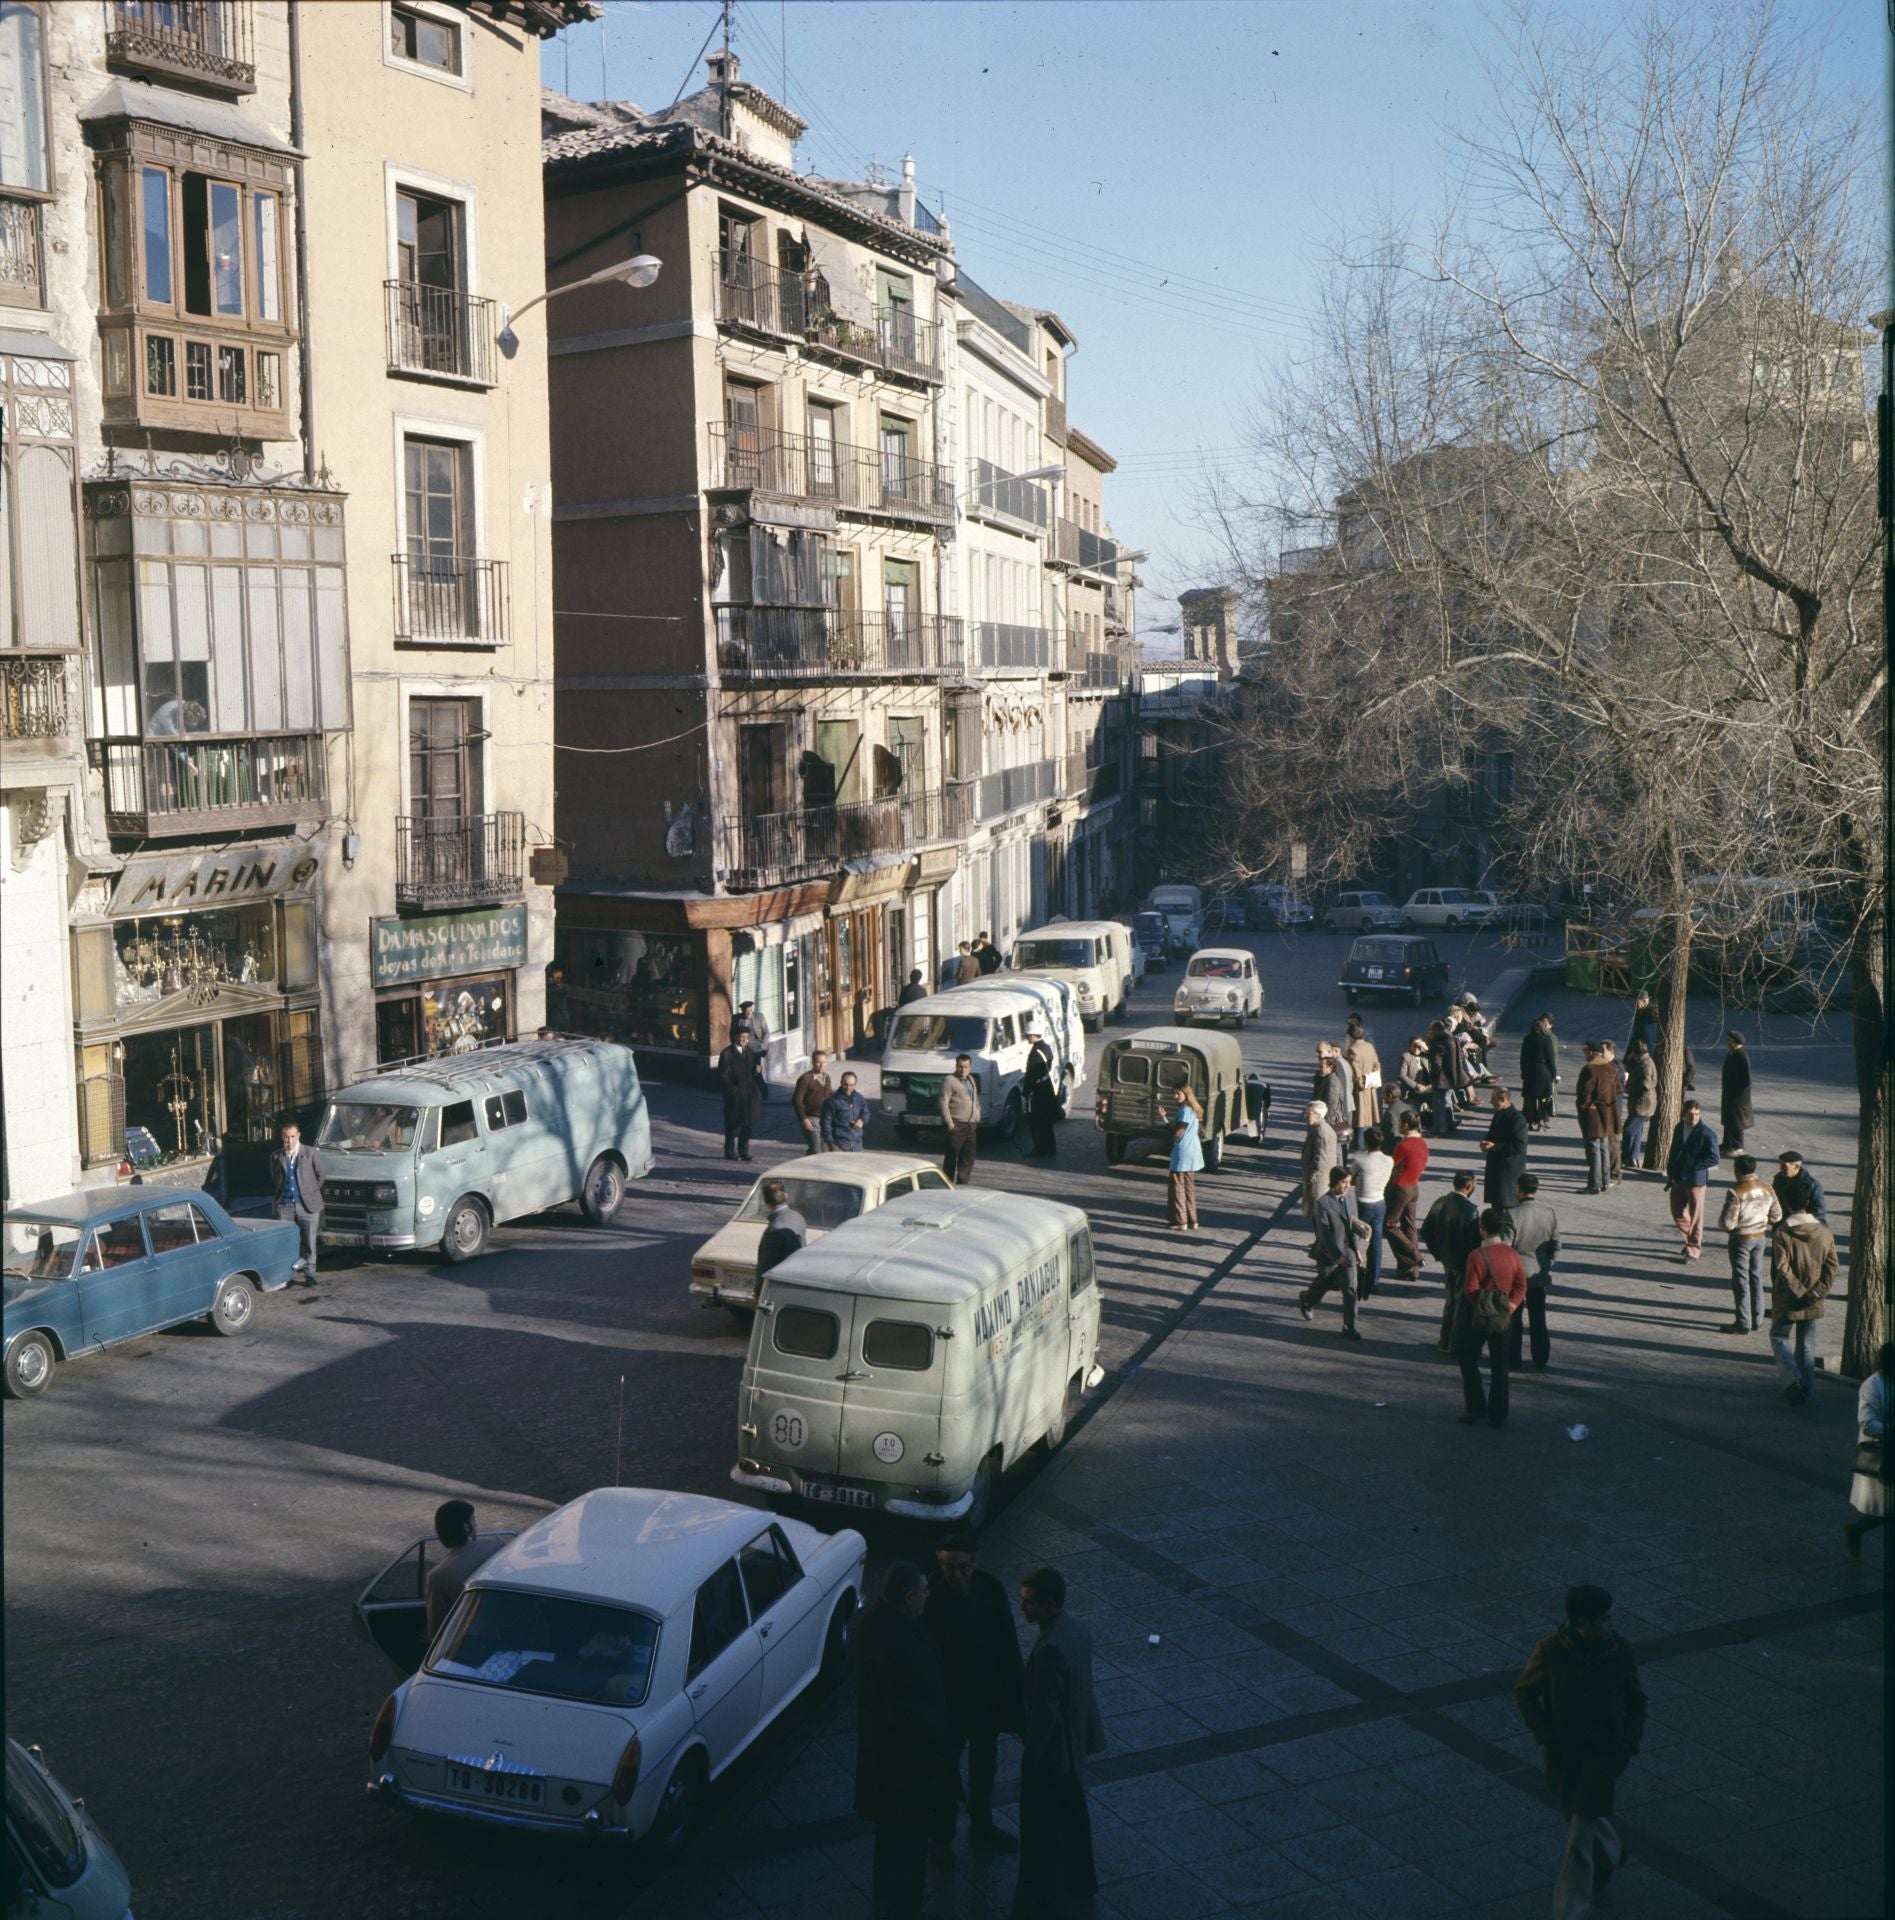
(906, 202)
(725, 67)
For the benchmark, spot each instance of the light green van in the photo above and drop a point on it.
(439, 1153)
(906, 1360)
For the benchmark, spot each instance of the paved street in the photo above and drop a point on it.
(1343, 1581)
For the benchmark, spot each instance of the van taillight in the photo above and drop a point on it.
(625, 1778)
(382, 1734)
(1407, 970)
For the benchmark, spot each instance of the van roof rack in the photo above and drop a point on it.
(444, 1069)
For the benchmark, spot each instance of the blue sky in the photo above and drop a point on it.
(1163, 173)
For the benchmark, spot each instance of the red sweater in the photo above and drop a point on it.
(1509, 1270)
(1411, 1159)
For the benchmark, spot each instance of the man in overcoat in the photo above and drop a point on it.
(737, 1077)
(1505, 1145)
(1597, 1100)
(971, 1622)
(1539, 1073)
(1062, 1730)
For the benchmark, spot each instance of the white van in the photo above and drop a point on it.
(1095, 956)
(1061, 1020)
(907, 1359)
(990, 1023)
(1183, 908)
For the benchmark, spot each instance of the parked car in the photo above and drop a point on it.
(1151, 932)
(1138, 1073)
(1183, 908)
(1280, 907)
(1093, 956)
(1447, 907)
(1361, 912)
(59, 1866)
(111, 1263)
(1220, 983)
(826, 1191)
(1226, 914)
(602, 1669)
(1395, 965)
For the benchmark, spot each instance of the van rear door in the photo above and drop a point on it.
(891, 1407)
(800, 1349)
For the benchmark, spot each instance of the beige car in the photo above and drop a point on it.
(826, 1189)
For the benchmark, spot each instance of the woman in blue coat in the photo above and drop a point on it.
(1187, 1161)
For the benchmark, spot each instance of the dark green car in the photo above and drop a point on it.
(1395, 966)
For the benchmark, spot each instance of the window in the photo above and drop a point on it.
(424, 40)
(432, 318)
(1134, 1070)
(1079, 1260)
(897, 456)
(267, 253)
(26, 164)
(717, 1618)
(438, 488)
(120, 1244)
(155, 237)
(903, 1346)
(807, 1333)
(769, 1571)
(505, 1110)
(823, 437)
(39, 525)
(174, 1228)
(444, 760)
(546, 1643)
(457, 1124)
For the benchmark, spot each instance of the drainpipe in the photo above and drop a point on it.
(303, 364)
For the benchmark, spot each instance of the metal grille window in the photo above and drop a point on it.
(26, 161)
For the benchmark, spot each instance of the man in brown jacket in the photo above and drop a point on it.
(966, 968)
(812, 1089)
(1802, 1270)
(1597, 1099)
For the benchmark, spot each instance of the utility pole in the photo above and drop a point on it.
(723, 79)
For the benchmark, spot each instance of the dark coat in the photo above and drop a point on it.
(1802, 1269)
(1329, 1086)
(904, 1753)
(785, 1235)
(980, 1653)
(840, 1112)
(1734, 1101)
(1539, 1064)
(1641, 1086)
(1447, 1059)
(1644, 1027)
(1506, 1157)
(1451, 1231)
(988, 958)
(1582, 1702)
(1782, 1186)
(1042, 1095)
(1062, 1714)
(1693, 1154)
(909, 994)
(309, 1177)
(737, 1075)
(1597, 1099)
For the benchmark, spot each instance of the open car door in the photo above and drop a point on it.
(393, 1608)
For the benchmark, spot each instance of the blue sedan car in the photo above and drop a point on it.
(109, 1264)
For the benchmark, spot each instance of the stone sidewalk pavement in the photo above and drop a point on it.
(1343, 1583)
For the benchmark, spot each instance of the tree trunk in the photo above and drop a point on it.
(1865, 1322)
(1674, 1008)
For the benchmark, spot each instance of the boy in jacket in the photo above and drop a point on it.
(1750, 1211)
(1802, 1270)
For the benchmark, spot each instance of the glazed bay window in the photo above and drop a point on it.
(222, 652)
(26, 161)
(195, 330)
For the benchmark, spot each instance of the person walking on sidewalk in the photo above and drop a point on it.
(1494, 1291)
(1187, 1162)
(737, 1075)
(1750, 1211)
(1339, 1230)
(1641, 1102)
(1734, 1111)
(1580, 1698)
(1365, 1069)
(1533, 1229)
(1793, 1175)
(960, 1114)
(1868, 1490)
(1374, 1167)
(807, 1097)
(1409, 1161)
(1687, 1173)
(1063, 1731)
(1320, 1155)
(1596, 1099)
(1451, 1232)
(1505, 1145)
(1802, 1270)
(1539, 1073)
(970, 1621)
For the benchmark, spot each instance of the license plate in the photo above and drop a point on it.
(515, 1789)
(344, 1239)
(840, 1496)
(1374, 973)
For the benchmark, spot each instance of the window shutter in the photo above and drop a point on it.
(49, 551)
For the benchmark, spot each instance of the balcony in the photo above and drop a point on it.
(1085, 782)
(1000, 648)
(766, 299)
(1096, 673)
(461, 860)
(779, 849)
(822, 643)
(864, 480)
(208, 43)
(34, 702)
(897, 342)
(1056, 420)
(1009, 789)
(995, 494)
(20, 262)
(163, 789)
(450, 602)
(440, 333)
(1082, 551)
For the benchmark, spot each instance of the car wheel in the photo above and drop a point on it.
(29, 1366)
(1452, 922)
(1242, 1021)
(604, 1191)
(1114, 1149)
(742, 1315)
(1214, 1153)
(983, 1502)
(838, 1643)
(1063, 1416)
(236, 1306)
(1092, 1022)
(677, 1811)
(1182, 1019)
(1010, 1118)
(464, 1232)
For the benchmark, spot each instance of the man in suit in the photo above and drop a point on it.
(296, 1188)
(737, 1075)
(972, 1624)
(1062, 1729)
(1505, 1146)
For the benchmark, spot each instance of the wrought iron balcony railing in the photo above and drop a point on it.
(813, 643)
(209, 42)
(440, 331)
(752, 293)
(1008, 789)
(164, 788)
(1086, 781)
(459, 860)
(34, 700)
(872, 480)
(780, 849)
(451, 601)
(1074, 546)
(1000, 648)
(776, 300)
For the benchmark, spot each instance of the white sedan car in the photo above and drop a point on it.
(1220, 983)
(826, 1189)
(609, 1663)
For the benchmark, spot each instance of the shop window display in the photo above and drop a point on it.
(638, 988)
(455, 1016)
(194, 954)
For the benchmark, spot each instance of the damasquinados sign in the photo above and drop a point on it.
(182, 883)
(437, 944)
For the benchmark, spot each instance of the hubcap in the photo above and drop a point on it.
(607, 1189)
(236, 1307)
(467, 1230)
(31, 1366)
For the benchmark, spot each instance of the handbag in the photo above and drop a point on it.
(1492, 1310)
(1871, 1457)
(1372, 1080)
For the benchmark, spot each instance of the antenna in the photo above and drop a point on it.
(618, 1452)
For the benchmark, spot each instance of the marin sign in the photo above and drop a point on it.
(173, 883)
(437, 944)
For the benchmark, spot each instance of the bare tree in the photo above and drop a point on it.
(1587, 470)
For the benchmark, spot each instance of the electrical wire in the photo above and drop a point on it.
(644, 746)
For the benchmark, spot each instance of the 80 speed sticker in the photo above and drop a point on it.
(788, 1431)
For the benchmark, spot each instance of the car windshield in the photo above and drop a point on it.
(1215, 966)
(1368, 899)
(1054, 953)
(36, 1251)
(1149, 923)
(546, 1643)
(1455, 896)
(940, 1033)
(1174, 900)
(365, 1126)
(824, 1204)
(49, 1835)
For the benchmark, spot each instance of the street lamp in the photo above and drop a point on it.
(639, 271)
